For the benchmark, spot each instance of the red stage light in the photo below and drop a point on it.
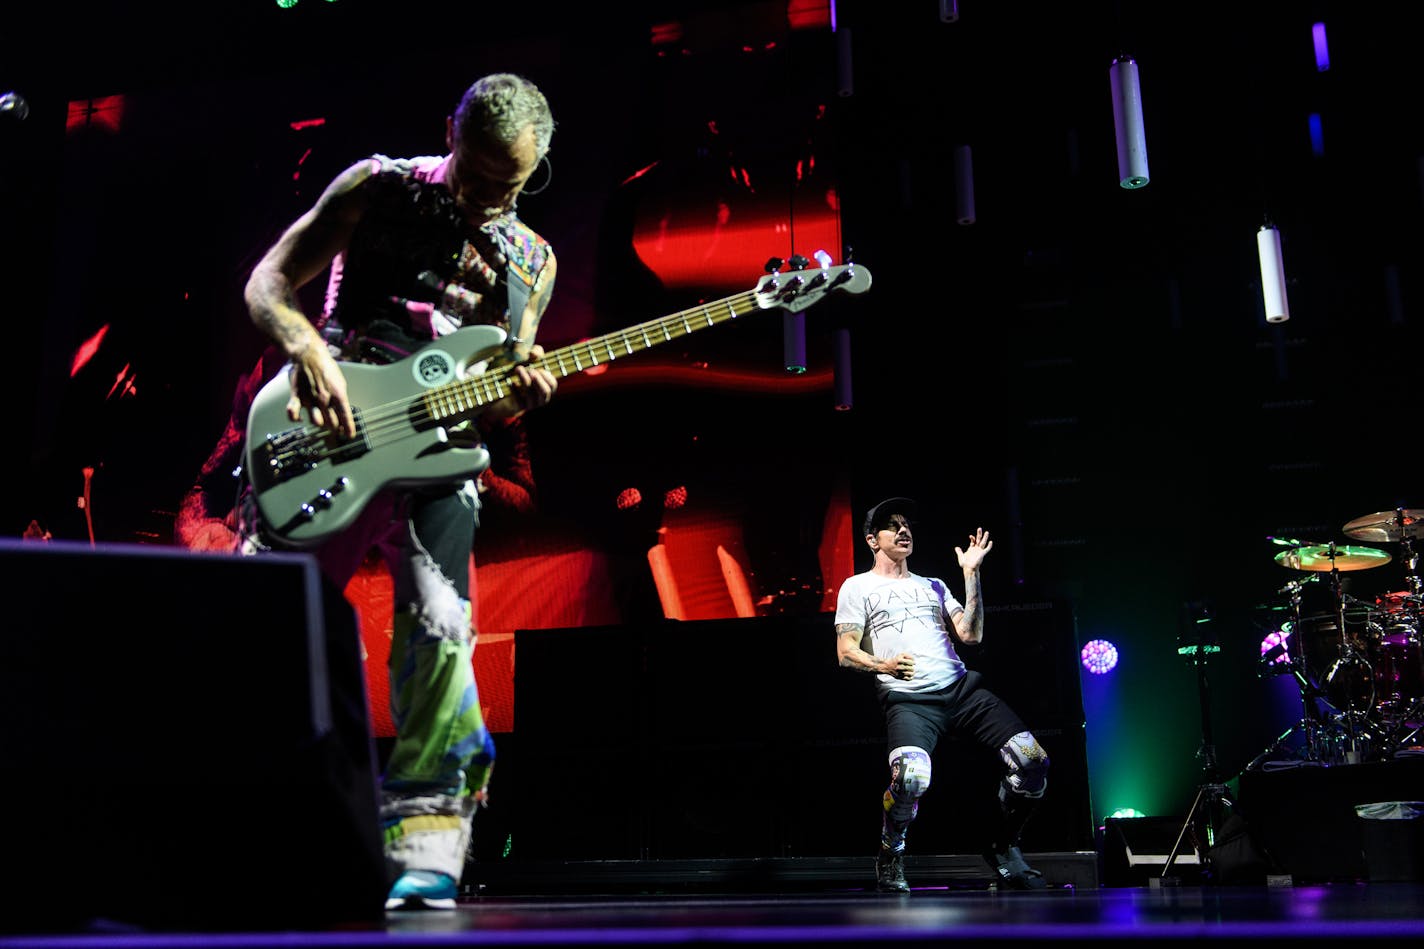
(86, 350)
(106, 113)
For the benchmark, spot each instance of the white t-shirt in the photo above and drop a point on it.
(904, 614)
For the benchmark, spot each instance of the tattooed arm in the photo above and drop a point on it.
(969, 622)
(853, 656)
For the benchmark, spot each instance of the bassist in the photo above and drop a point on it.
(414, 248)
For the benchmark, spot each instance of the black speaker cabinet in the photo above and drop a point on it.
(185, 741)
(1305, 820)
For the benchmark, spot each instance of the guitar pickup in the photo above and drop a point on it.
(295, 452)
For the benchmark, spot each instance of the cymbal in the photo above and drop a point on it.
(1323, 557)
(1386, 525)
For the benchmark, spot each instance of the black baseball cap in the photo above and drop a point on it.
(878, 517)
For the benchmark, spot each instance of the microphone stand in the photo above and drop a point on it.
(1212, 795)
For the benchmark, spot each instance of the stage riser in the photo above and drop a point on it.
(750, 876)
(662, 752)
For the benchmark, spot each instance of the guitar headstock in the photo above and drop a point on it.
(795, 290)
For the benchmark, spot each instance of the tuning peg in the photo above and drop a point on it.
(822, 258)
(774, 264)
(798, 262)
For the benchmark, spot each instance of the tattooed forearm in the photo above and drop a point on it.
(971, 622)
(850, 650)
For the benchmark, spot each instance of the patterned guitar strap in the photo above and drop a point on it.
(524, 258)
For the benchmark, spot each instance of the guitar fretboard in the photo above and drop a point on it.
(464, 396)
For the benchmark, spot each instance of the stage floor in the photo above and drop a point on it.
(1375, 913)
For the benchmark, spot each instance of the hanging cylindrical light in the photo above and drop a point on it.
(1127, 122)
(1317, 134)
(1394, 300)
(1273, 274)
(840, 340)
(1322, 47)
(845, 79)
(964, 184)
(793, 341)
(949, 11)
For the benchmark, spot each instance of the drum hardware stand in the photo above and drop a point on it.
(1415, 585)
(1310, 724)
(1404, 525)
(1350, 657)
(1212, 795)
(1394, 743)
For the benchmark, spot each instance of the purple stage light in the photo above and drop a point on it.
(1276, 647)
(1099, 656)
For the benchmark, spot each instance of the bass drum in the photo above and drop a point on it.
(1336, 659)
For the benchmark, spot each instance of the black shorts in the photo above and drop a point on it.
(965, 709)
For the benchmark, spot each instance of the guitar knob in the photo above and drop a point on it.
(308, 512)
(339, 485)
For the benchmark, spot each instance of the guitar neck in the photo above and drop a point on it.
(467, 396)
(568, 360)
(792, 291)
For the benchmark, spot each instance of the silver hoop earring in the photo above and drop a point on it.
(548, 176)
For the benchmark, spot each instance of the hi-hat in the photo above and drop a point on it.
(1322, 557)
(1387, 526)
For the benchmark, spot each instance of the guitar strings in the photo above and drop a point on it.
(396, 418)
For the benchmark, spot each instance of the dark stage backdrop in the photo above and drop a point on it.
(1084, 370)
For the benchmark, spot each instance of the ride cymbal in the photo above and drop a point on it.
(1324, 557)
(1387, 526)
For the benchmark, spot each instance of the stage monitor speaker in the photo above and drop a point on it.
(1134, 851)
(185, 741)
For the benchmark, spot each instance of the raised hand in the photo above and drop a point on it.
(979, 545)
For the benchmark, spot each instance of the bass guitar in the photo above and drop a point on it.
(310, 483)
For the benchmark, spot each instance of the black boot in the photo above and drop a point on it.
(1003, 855)
(1009, 866)
(890, 871)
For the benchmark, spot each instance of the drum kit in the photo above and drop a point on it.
(1359, 663)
